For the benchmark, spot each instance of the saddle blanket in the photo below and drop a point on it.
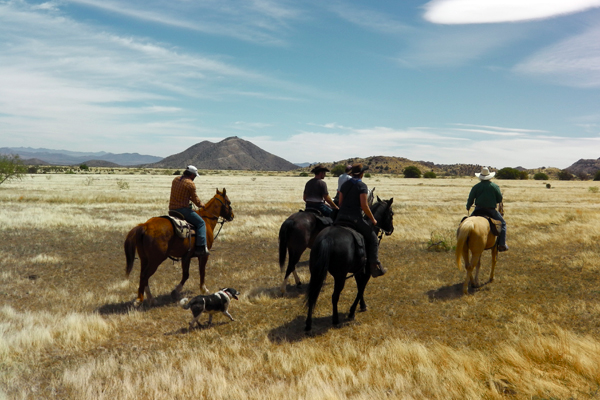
(325, 221)
(182, 228)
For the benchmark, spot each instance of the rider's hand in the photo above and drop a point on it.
(374, 222)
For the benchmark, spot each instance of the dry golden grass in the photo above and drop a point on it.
(67, 330)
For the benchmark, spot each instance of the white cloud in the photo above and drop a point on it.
(495, 11)
(528, 149)
(574, 61)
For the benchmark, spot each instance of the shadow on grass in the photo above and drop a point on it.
(124, 307)
(293, 331)
(185, 331)
(453, 292)
(291, 291)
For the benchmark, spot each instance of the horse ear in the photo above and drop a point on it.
(378, 199)
(224, 192)
(217, 190)
(390, 201)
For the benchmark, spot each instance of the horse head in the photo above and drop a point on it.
(383, 213)
(226, 211)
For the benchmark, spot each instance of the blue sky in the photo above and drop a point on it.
(495, 82)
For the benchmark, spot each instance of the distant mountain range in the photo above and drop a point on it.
(234, 153)
(33, 156)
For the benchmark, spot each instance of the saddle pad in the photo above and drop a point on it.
(182, 228)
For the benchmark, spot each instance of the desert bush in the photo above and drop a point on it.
(338, 170)
(412, 172)
(442, 240)
(593, 189)
(84, 167)
(429, 175)
(122, 184)
(508, 173)
(303, 174)
(540, 176)
(11, 167)
(565, 175)
(597, 176)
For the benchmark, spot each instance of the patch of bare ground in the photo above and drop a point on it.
(68, 329)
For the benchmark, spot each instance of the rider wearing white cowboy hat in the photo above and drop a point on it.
(486, 195)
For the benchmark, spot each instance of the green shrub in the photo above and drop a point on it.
(540, 176)
(509, 173)
(412, 172)
(11, 167)
(442, 241)
(84, 167)
(338, 170)
(367, 175)
(303, 173)
(597, 176)
(429, 175)
(593, 189)
(565, 175)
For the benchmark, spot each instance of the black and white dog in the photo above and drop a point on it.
(212, 303)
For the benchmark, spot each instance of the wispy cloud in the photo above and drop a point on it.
(494, 11)
(368, 18)
(258, 21)
(574, 61)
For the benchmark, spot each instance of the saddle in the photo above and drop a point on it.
(495, 225)
(182, 228)
(323, 220)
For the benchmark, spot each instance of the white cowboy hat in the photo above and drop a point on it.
(192, 169)
(485, 174)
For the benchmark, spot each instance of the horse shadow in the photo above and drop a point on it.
(162, 300)
(185, 331)
(293, 331)
(453, 292)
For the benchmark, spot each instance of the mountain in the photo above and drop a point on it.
(66, 157)
(585, 167)
(231, 153)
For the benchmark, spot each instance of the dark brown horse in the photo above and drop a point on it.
(155, 240)
(297, 233)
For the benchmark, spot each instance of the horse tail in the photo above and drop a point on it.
(283, 241)
(319, 265)
(131, 241)
(462, 237)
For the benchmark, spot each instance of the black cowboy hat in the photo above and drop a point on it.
(319, 168)
(358, 169)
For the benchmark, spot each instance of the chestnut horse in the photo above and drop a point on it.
(155, 240)
(474, 234)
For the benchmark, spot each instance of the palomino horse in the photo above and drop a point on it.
(155, 240)
(474, 235)
(334, 251)
(297, 233)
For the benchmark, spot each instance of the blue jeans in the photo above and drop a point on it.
(493, 213)
(194, 219)
(325, 210)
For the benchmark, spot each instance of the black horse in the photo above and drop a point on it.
(297, 233)
(334, 251)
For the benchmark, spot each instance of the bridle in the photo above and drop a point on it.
(216, 217)
(379, 230)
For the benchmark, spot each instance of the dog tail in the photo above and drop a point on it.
(283, 241)
(185, 303)
(319, 265)
(133, 238)
(462, 237)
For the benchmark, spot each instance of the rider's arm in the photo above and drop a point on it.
(365, 207)
(327, 198)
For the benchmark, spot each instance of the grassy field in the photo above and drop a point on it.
(67, 329)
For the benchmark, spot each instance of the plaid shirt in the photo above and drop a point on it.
(183, 191)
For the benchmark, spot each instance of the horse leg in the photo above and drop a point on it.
(151, 300)
(291, 268)
(476, 261)
(185, 274)
(335, 297)
(494, 259)
(468, 268)
(361, 284)
(202, 269)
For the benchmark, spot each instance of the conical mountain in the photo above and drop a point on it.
(231, 153)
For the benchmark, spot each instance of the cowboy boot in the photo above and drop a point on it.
(201, 251)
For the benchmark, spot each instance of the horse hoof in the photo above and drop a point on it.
(363, 309)
(137, 303)
(175, 295)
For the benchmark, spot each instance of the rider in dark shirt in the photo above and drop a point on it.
(316, 194)
(353, 201)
